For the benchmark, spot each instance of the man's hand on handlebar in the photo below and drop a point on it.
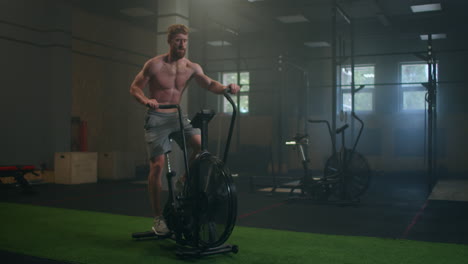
(233, 88)
(152, 103)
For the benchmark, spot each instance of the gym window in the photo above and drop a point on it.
(231, 77)
(364, 99)
(413, 93)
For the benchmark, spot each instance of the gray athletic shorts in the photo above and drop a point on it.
(161, 127)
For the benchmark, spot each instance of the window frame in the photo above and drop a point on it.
(241, 93)
(368, 89)
(412, 87)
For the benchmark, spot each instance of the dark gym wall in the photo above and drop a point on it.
(36, 80)
(61, 62)
(107, 55)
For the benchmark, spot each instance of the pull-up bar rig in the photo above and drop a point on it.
(431, 99)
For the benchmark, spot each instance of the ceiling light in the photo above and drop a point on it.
(434, 36)
(426, 8)
(218, 43)
(317, 44)
(232, 31)
(136, 12)
(292, 19)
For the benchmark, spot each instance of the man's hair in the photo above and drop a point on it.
(176, 29)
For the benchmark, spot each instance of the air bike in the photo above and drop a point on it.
(346, 175)
(202, 216)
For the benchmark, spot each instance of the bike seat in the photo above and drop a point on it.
(298, 139)
(301, 138)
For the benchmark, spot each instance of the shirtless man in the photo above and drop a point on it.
(167, 76)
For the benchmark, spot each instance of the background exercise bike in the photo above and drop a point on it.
(346, 174)
(203, 215)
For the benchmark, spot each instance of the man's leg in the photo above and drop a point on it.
(194, 143)
(154, 189)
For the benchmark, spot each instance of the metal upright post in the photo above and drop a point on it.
(431, 111)
(333, 66)
(353, 79)
(343, 195)
(238, 66)
(306, 109)
(347, 18)
(434, 119)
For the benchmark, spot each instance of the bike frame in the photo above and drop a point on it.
(343, 156)
(204, 117)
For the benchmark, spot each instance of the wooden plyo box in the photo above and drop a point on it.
(116, 166)
(75, 167)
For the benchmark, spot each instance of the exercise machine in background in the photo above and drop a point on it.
(346, 175)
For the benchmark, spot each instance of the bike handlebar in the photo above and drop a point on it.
(341, 129)
(360, 130)
(227, 90)
(231, 125)
(171, 106)
(357, 118)
(322, 121)
(168, 106)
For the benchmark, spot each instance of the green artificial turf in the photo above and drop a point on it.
(93, 237)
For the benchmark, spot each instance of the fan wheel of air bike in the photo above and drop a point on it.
(217, 206)
(356, 174)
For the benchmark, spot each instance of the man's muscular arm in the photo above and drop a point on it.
(136, 89)
(210, 84)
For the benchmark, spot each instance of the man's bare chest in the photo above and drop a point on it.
(175, 70)
(174, 73)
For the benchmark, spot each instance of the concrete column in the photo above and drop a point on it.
(170, 12)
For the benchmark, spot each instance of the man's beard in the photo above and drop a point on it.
(178, 53)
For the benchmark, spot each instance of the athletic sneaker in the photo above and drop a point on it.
(160, 227)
